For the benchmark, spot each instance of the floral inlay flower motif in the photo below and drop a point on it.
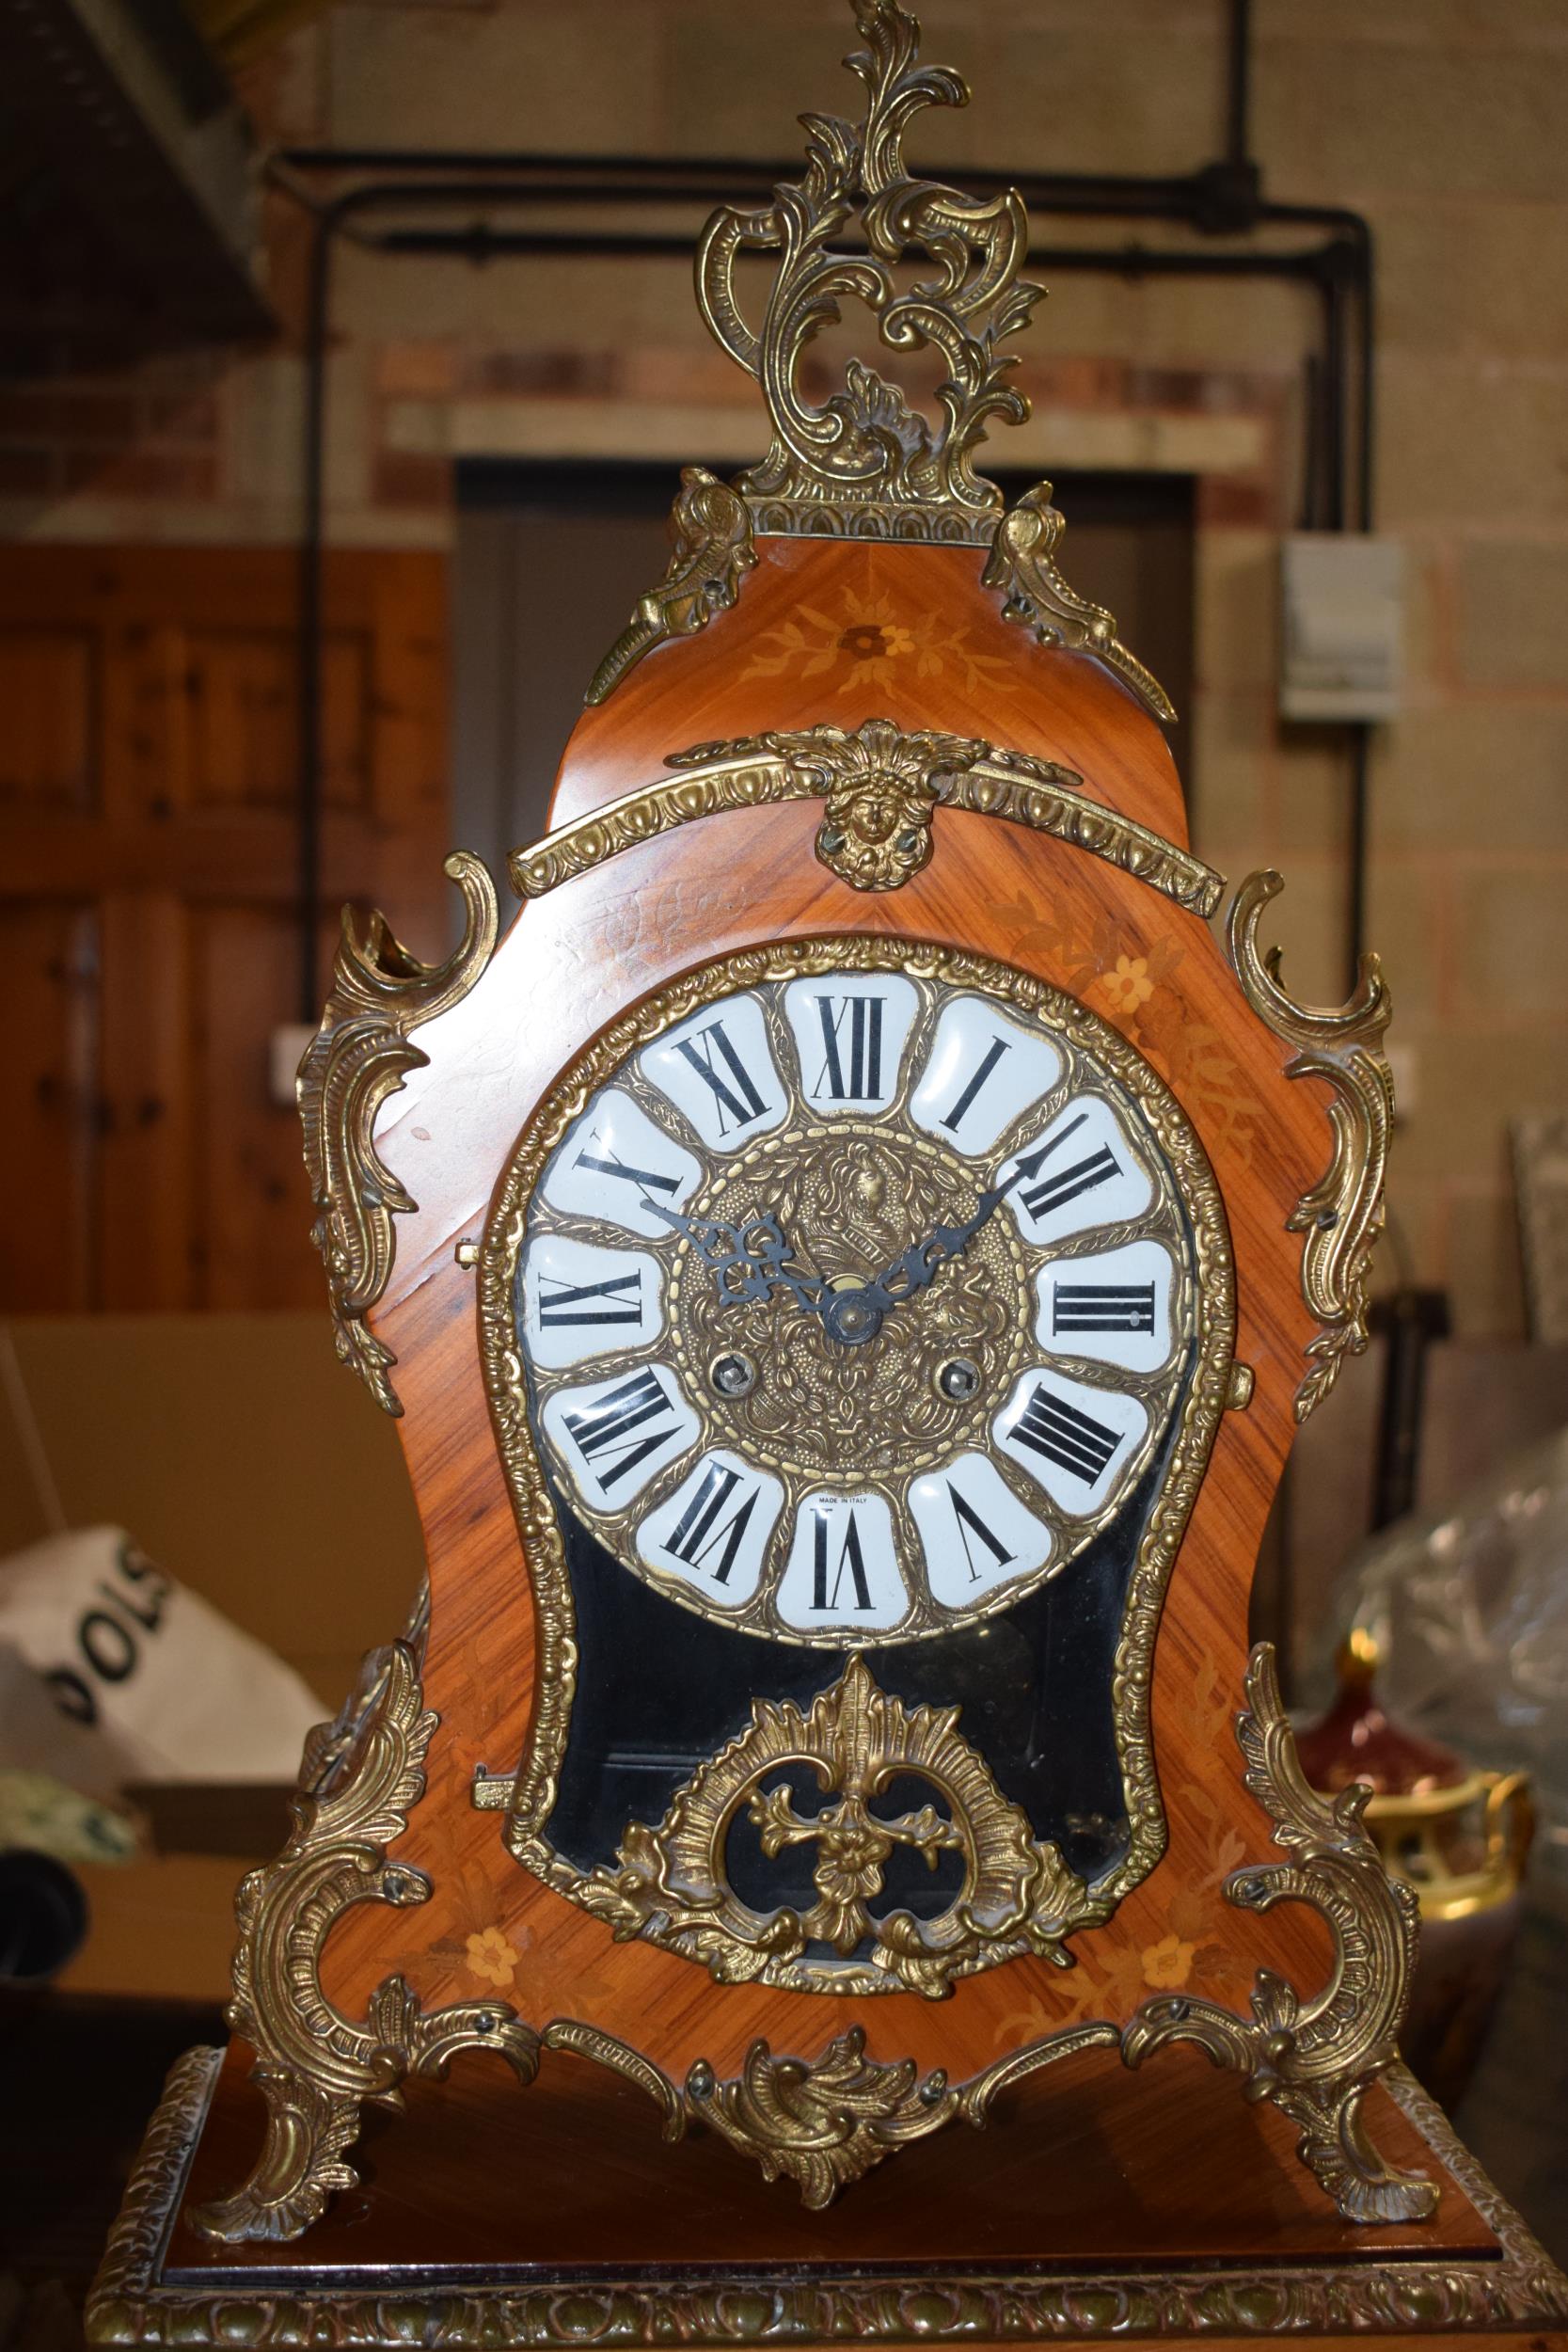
(868, 640)
(1191, 1054)
(1168, 1963)
(1130, 985)
(491, 1958)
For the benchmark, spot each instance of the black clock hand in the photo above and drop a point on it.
(918, 1266)
(854, 1316)
(748, 1265)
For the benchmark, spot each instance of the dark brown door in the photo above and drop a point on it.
(148, 758)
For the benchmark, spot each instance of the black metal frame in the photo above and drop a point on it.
(1222, 200)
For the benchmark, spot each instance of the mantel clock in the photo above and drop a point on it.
(848, 1266)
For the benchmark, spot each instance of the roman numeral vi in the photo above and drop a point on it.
(850, 1558)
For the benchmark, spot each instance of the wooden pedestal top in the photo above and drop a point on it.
(1098, 2205)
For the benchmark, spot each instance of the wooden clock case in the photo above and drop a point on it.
(702, 810)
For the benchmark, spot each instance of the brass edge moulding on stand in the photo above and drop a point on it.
(528, 1796)
(864, 465)
(881, 787)
(360, 1056)
(1314, 2059)
(1342, 1214)
(130, 2304)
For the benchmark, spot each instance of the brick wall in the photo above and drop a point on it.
(1441, 119)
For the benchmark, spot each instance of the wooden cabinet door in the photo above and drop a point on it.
(149, 781)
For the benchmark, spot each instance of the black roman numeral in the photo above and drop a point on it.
(1073, 1440)
(623, 1428)
(851, 1047)
(703, 1527)
(570, 1304)
(988, 1063)
(736, 1092)
(1053, 1192)
(616, 1166)
(851, 1559)
(970, 1523)
(1101, 1306)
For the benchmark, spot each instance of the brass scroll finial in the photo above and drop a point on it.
(361, 1054)
(866, 465)
(1342, 1217)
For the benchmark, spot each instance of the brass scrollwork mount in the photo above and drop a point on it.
(360, 1056)
(1313, 2058)
(1342, 1217)
(864, 463)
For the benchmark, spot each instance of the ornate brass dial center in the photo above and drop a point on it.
(852, 1403)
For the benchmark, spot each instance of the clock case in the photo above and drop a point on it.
(864, 706)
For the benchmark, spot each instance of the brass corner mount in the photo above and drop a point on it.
(864, 463)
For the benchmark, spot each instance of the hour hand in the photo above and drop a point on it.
(746, 1263)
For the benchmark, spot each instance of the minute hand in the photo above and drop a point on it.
(918, 1266)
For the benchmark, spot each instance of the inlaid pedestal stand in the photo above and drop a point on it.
(1120, 2206)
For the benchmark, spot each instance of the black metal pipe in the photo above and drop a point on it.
(481, 241)
(1334, 401)
(1366, 434)
(1360, 818)
(1222, 200)
(311, 566)
(1239, 83)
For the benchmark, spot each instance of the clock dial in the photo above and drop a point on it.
(854, 1305)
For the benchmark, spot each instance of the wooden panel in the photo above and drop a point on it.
(244, 690)
(1084, 2166)
(252, 1236)
(46, 1207)
(48, 696)
(149, 780)
(147, 1111)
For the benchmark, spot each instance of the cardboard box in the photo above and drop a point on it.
(238, 1454)
(245, 1460)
